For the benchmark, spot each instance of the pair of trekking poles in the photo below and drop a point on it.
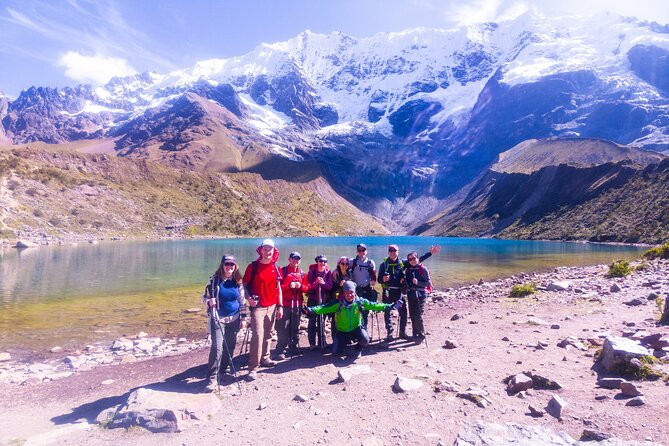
(217, 321)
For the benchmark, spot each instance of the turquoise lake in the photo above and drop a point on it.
(73, 295)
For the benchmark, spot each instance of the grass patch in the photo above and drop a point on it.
(643, 373)
(619, 268)
(522, 290)
(658, 252)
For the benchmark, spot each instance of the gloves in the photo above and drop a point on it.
(305, 311)
(397, 305)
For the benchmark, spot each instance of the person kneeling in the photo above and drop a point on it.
(348, 317)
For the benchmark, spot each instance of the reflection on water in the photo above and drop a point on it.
(52, 295)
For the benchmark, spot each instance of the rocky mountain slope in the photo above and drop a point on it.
(48, 196)
(397, 122)
(564, 190)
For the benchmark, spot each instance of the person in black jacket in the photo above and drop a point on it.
(391, 275)
(417, 281)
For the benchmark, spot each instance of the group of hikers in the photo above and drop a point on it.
(275, 298)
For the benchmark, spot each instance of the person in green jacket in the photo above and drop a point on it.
(348, 317)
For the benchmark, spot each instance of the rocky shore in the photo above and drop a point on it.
(582, 359)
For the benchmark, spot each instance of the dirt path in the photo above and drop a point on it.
(495, 336)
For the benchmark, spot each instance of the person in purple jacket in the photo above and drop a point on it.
(320, 285)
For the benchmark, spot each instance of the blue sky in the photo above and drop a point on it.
(67, 42)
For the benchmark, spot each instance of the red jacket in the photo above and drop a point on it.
(293, 297)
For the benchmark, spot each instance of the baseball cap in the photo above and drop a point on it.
(267, 242)
(294, 255)
(349, 285)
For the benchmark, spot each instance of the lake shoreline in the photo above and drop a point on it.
(477, 336)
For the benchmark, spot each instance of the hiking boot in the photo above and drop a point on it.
(313, 348)
(281, 357)
(419, 338)
(267, 363)
(253, 375)
(404, 336)
(357, 354)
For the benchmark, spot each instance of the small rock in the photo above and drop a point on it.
(615, 288)
(4, 356)
(56, 349)
(591, 435)
(634, 302)
(555, 406)
(518, 383)
(403, 384)
(345, 374)
(638, 401)
(610, 383)
(449, 344)
(262, 406)
(559, 286)
(192, 310)
(301, 398)
(107, 382)
(505, 338)
(535, 412)
(555, 326)
(445, 386)
(476, 395)
(629, 389)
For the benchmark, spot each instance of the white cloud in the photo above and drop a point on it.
(96, 70)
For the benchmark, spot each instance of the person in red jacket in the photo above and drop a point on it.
(262, 280)
(293, 286)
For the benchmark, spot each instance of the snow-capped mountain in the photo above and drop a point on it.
(404, 117)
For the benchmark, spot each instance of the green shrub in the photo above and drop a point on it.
(7, 234)
(619, 268)
(522, 290)
(55, 221)
(38, 213)
(658, 252)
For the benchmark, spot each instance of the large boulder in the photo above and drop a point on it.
(619, 351)
(159, 411)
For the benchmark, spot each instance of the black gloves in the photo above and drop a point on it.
(305, 311)
(397, 305)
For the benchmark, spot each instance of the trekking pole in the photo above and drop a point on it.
(321, 329)
(232, 364)
(215, 319)
(378, 326)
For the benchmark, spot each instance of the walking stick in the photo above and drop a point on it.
(321, 328)
(232, 364)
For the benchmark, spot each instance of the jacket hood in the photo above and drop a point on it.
(275, 256)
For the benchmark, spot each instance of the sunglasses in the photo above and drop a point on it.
(322, 261)
(229, 264)
(412, 258)
(392, 250)
(362, 250)
(344, 263)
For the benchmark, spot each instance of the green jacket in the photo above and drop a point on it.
(348, 317)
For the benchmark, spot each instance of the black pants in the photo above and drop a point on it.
(288, 330)
(366, 292)
(315, 331)
(220, 354)
(390, 296)
(416, 304)
(344, 337)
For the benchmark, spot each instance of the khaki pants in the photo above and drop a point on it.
(262, 321)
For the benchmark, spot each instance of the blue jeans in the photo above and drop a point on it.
(219, 355)
(344, 337)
